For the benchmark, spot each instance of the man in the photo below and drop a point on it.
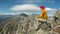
(42, 17)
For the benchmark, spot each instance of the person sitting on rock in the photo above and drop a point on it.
(42, 17)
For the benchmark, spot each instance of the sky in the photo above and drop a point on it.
(23, 6)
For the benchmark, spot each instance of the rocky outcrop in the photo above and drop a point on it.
(28, 25)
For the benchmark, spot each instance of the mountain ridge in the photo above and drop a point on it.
(28, 25)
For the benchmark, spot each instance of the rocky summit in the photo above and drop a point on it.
(28, 24)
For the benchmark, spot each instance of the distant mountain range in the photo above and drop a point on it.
(5, 17)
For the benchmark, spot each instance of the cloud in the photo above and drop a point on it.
(28, 7)
(24, 7)
(7, 14)
(13, 13)
(49, 9)
(31, 9)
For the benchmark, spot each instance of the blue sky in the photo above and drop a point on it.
(5, 5)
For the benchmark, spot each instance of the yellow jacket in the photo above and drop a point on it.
(43, 15)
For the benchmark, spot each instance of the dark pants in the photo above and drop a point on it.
(41, 24)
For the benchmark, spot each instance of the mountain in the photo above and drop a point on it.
(24, 15)
(22, 24)
(4, 17)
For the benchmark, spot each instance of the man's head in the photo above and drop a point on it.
(42, 7)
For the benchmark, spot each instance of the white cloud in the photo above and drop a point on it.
(49, 9)
(24, 7)
(28, 7)
(13, 13)
(7, 14)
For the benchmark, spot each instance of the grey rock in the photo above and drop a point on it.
(28, 25)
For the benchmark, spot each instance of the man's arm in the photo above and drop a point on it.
(39, 16)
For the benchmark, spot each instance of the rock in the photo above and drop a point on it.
(57, 16)
(28, 24)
